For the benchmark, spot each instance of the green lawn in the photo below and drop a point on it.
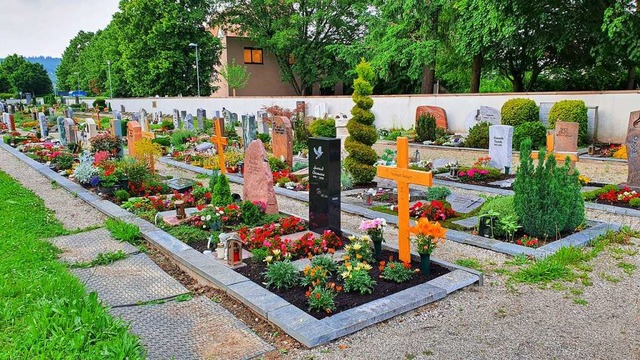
(44, 312)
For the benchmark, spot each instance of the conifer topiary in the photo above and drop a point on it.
(548, 198)
(362, 133)
(221, 192)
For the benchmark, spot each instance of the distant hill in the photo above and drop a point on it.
(50, 64)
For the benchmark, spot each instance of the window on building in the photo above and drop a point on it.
(253, 56)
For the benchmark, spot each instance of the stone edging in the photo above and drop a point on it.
(298, 324)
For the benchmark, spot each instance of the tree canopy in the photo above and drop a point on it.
(19, 75)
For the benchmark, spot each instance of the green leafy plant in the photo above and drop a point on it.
(281, 275)
(189, 234)
(519, 111)
(121, 195)
(276, 164)
(357, 278)
(499, 207)
(397, 272)
(509, 225)
(265, 138)
(259, 254)
(548, 197)
(362, 133)
(438, 193)
(102, 259)
(321, 298)
(251, 214)
(571, 111)
(358, 249)
(123, 231)
(179, 137)
(324, 262)
(426, 128)
(478, 136)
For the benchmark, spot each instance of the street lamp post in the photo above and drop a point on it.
(197, 66)
(110, 87)
(77, 80)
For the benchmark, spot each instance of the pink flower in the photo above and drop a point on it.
(462, 173)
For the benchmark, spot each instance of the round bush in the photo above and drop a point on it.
(362, 133)
(536, 131)
(361, 173)
(478, 136)
(360, 152)
(519, 111)
(323, 127)
(571, 111)
(364, 116)
(100, 103)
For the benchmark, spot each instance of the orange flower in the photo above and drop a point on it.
(391, 266)
(317, 295)
(328, 311)
(383, 263)
(406, 265)
(308, 293)
(332, 250)
(332, 285)
(338, 288)
(428, 228)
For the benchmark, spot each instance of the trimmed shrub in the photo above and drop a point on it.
(221, 192)
(548, 197)
(251, 214)
(323, 127)
(519, 111)
(571, 111)
(162, 141)
(478, 136)
(536, 131)
(100, 103)
(426, 128)
(362, 133)
(180, 137)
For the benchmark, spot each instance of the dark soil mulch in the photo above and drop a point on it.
(344, 301)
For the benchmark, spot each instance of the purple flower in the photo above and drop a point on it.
(95, 180)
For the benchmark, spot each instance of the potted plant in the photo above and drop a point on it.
(428, 236)
(375, 229)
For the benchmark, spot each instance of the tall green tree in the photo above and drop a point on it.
(24, 76)
(154, 38)
(301, 34)
(622, 25)
(70, 68)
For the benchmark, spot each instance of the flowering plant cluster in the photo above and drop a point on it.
(358, 249)
(396, 271)
(527, 241)
(625, 195)
(374, 228)
(473, 174)
(433, 210)
(482, 161)
(427, 235)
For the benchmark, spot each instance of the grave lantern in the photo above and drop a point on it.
(416, 156)
(453, 171)
(234, 251)
(180, 210)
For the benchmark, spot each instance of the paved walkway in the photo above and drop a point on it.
(136, 289)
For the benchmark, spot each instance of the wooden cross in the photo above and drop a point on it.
(560, 156)
(404, 176)
(220, 142)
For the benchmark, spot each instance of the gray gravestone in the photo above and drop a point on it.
(500, 146)
(44, 128)
(202, 114)
(70, 112)
(464, 204)
(183, 114)
(51, 111)
(122, 108)
(188, 121)
(248, 129)
(234, 118)
(226, 114)
(484, 113)
(92, 131)
(545, 108)
(176, 119)
(70, 130)
(61, 130)
(633, 140)
(144, 123)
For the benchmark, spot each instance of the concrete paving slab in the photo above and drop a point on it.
(133, 280)
(194, 329)
(85, 247)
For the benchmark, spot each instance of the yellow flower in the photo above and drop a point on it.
(357, 247)
(276, 252)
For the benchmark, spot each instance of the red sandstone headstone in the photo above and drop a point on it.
(258, 180)
(12, 123)
(566, 137)
(282, 141)
(134, 134)
(437, 112)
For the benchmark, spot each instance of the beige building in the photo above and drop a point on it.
(265, 77)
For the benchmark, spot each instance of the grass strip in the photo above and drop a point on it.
(44, 311)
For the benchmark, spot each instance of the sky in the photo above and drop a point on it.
(45, 27)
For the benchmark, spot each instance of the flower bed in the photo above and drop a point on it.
(614, 195)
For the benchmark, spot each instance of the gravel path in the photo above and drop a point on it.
(71, 211)
(502, 320)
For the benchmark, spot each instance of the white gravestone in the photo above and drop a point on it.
(92, 131)
(500, 146)
(484, 113)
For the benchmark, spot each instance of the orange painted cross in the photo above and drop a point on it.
(220, 142)
(404, 176)
(560, 156)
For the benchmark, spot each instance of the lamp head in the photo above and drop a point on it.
(193, 45)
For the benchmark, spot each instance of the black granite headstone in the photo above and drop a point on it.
(324, 185)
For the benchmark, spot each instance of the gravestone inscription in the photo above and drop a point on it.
(500, 146)
(324, 185)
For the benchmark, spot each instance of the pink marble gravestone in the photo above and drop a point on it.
(258, 179)
(437, 112)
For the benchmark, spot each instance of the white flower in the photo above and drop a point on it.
(208, 217)
(203, 218)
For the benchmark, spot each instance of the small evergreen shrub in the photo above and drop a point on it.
(251, 214)
(162, 141)
(122, 195)
(548, 197)
(536, 131)
(478, 136)
(276, 164)
(167, 124)
(221, 195)
(100, 103)
(323, 128)
(213, 180)
(519, 111)
(265, 138)
(571, 111)
(426, 128)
